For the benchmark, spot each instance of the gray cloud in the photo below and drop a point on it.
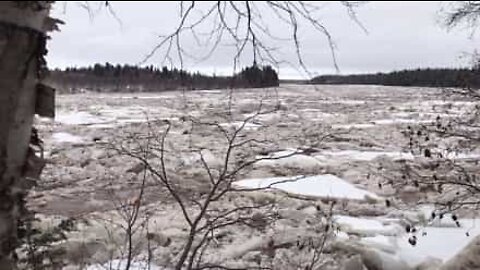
(400, 35)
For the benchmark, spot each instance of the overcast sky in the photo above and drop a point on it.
(400, 35)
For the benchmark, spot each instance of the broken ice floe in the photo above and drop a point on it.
(439, 242)
(366, 226)
(394, 121)
(121, 264)
(389, 237)
(81, 118)
(288, 159)
(295, 158)
(241, 125)
(380, 122)
(66, 137)
(327, 185)
(362, 155)
(353, 126)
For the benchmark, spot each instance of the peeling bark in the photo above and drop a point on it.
(22, 45)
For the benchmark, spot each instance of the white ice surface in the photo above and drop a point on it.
(288, 158)
(326, 185)
(239, 124)
(353, 126)
(463, 155)
(128, 114)
(80, 118)
(210, 91)
(439, 242)
(379, 122)
(365, 226)
(341, 101)
(207, 155)
(381, 242)
(362, 155)
(66, 137)
(121, 264)
(315, 114)
(111, 125)
(142, 97)
(399, 121)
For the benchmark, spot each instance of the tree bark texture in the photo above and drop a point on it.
(22, 46)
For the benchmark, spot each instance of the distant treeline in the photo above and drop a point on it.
(125, 78)
(438, 77)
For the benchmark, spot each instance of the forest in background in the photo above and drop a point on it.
(428, 77)
(126, 78)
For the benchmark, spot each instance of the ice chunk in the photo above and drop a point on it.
(438, 242)
(365, 226)
(288, 158)
(353, 126)
(80, 118)
(239, 124)
(121, 264)
(363, 155)
(66, 137)
(326, 185)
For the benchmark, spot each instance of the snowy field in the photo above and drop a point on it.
(320, 144)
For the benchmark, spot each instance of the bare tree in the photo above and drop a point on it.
(207, 203)
(133, 221)
(445, 169)
(462, 13)
(23, 27)
(240, 24)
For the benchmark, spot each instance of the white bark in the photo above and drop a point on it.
(21, 43)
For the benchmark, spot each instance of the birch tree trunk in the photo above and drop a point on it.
(22, 46)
